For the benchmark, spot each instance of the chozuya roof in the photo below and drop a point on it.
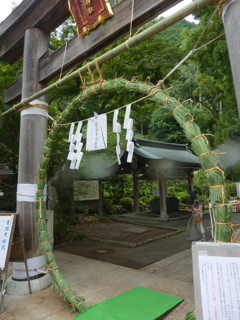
(160, 155)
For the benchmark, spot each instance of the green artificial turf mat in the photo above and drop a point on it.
(136, 304)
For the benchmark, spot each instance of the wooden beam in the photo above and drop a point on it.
(78, 50)
(13, 92)
(140, 37)
(45, 14)
(48, 15)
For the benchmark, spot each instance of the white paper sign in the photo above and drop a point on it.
(97, 133)
(127, 115)
(220, 287)
(115, 117)
(5, 230)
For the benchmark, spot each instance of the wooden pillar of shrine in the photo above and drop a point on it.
(190, 183)
(33, 133)
(162, 199)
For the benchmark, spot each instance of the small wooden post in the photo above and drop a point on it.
(33, 133)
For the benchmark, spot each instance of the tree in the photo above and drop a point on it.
(163, 127)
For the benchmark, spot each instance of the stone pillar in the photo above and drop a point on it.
(33, 133)
(231, 22)
(136, 194)
(162, 199)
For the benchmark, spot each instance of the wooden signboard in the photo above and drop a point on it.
(11, 248)
(7, 227)
(88, 14)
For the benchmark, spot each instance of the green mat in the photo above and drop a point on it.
(136, 304)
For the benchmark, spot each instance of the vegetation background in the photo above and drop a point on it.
(205, 78)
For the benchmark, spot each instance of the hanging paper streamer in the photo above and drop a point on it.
(115, 118)
(97, 133)
(71, 135)
(128, 124)
(127, 115)
(75, 155)
(117, 129)
(130, 149)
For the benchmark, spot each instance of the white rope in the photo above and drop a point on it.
(213, 222)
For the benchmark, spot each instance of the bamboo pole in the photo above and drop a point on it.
(130, 43)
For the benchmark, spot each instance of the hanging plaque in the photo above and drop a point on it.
(88, 14)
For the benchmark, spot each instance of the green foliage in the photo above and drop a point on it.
(163, 127)
(127, 203)
(231, 189)
(183, 197)
(201, 182)
(73, 236)
(173, 35)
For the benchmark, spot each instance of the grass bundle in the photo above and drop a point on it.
(184, 115)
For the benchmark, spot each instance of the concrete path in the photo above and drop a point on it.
(97, 281)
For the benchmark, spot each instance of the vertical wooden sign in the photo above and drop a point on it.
(88, 14)
(7, 226)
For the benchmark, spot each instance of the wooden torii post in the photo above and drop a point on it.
(34, 21)
(230, 16)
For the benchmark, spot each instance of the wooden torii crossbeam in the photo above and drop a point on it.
(48, 15)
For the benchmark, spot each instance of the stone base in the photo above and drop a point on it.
(21, 287)
(164, 217)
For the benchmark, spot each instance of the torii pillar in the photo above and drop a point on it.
(33, 133)
(231, 11)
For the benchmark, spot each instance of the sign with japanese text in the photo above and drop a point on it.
(86, 190)
(97, 133)
(6, 222)
(220, 287)
(88, 14)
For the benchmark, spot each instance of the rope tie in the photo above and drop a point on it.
(55, 272)
(80, 99)
(44, 242)
(79, 304)
(219, 186)
(68, 111)
(219, 3)
(83, 79)
(203, 136)
(93, 89)
(91, 72)
(85, 94)
(99, 69)
(26, 106)
(192, 120)
(217, 168)
(60, 281)
(127, 45)
(211, 152)
(72, 298)
(51, 139)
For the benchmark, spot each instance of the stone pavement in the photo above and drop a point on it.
(97, 281)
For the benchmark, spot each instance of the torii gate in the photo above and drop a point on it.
(34, 20)
(41, 65)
